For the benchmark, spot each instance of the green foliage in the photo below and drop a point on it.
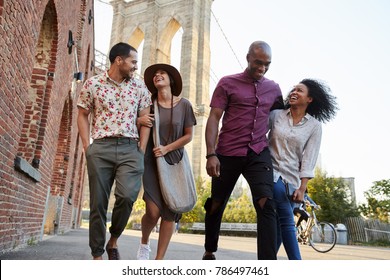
(197, 214)
(334, 197)
(380, 243)
(240, 210)
(381, 188)
(378, 201)
(203, 189)
(139, 206)
(32, 241)
(137, 212)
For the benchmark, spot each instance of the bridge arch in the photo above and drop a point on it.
(155, 22)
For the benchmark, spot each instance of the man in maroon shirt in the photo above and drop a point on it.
(244, 100)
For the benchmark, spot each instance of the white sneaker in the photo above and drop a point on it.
(143, 252)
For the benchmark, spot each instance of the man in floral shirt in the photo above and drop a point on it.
(114, 99)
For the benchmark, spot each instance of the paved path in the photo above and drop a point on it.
(74, 246)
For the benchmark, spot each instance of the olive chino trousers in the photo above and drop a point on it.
(112, 159)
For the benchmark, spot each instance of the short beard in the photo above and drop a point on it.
(127, 76)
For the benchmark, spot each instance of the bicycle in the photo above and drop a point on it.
(321, 236)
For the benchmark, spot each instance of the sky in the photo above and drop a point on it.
(345, 43)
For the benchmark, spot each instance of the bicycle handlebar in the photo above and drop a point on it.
(315, 206)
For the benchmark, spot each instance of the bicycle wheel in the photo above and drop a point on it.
(323, 237)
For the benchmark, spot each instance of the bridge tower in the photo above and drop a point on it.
(156, 22)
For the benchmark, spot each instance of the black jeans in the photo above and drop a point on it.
(257, 170)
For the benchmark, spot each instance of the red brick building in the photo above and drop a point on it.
(44, 46)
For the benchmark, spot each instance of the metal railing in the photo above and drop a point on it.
(102, 62)
(376, 234)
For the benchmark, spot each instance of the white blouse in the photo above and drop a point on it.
(294, 148)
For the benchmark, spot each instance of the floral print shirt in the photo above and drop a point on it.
(114, 106)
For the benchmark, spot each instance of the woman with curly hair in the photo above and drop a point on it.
(294, 142)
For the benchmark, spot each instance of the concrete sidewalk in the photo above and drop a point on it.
(74, 246)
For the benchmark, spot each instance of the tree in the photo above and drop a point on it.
(334, 197)
(240, 210)
(378, 201)
(137, 212)
(197, 214)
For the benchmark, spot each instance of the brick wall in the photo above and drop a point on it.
(41, 158)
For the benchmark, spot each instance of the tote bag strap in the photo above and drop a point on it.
(156, 133)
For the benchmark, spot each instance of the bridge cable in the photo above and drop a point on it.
(223, 33)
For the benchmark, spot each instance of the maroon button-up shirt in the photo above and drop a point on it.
(246, 103)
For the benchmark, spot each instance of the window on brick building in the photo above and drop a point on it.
(35, 118)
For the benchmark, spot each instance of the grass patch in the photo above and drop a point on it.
(376, 243)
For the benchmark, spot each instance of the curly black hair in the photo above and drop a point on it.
(324, 106)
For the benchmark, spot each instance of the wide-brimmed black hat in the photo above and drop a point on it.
(172, 71)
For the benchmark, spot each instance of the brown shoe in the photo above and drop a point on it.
(113, 253)
(208, 257)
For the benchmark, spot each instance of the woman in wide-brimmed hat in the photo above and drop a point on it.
(177, 119)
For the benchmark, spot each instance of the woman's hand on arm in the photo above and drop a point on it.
(145, 120)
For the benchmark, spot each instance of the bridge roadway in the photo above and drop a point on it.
(74, 246)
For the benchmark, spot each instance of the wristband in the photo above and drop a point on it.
(210, 155)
